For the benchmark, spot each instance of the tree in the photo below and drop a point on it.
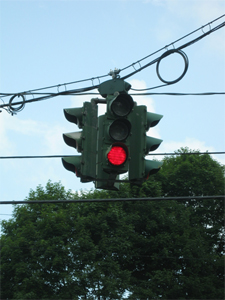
(133, 250)
(63, 251)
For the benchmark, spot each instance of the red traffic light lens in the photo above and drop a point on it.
(117, 155)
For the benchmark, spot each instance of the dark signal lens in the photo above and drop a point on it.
(119, 130)
(122, 105)
(117, 155)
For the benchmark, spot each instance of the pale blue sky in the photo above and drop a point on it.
(46, 43)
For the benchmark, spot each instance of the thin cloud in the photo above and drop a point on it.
(192, 144)
(30, 134)
(200, 12)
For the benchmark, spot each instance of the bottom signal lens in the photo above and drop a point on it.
(117, 155)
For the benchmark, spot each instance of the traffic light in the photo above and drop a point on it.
(141, 144)
(114, 143)
(85, 141)
(113, 134)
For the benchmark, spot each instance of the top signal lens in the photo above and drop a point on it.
(122, 105)
(117, 155)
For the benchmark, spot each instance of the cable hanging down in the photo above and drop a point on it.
(11, 108)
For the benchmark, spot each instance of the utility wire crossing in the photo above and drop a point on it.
(11, 106)
(114, 200)
(60, 156)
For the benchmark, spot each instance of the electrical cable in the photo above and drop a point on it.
(60, 156)
(54, 86)
(172, 51)
(114, 200)
(22, 103)
(21, 106)
(172, 44)
(51, 95)
(76, 91)
(138, 62)
(176, 94)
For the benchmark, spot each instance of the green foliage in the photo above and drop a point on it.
(191, 175)
(117, 250)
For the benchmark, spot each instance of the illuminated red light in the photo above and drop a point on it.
(117, 155)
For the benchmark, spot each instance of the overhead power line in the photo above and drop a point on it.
(97, 78)
(176, 94)
(214, 197)
(63, 155)
(71, 93)
(186, 153)
(183, 37)
(11, 106)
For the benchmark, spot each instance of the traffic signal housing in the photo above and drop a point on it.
(113, 134)
(141, 144)
(114, 143)
(85, 141)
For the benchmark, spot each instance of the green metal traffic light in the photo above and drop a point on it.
(141, 144)
(113, 134)
(114, 143)
(85, 141)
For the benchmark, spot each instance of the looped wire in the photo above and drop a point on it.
(167, 53)
(14, 110)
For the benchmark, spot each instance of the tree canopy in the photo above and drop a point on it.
(121, 250)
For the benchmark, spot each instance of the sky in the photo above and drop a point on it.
(50, 43)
